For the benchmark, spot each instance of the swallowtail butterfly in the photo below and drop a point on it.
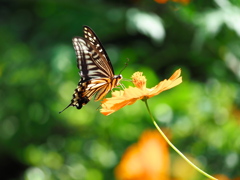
(96, 71)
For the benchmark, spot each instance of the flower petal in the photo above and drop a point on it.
(110, 105)
(164, 85)
(175, 75)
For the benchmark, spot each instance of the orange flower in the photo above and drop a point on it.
(221, 177)
(180, 1)
(224, 177)
(161, 1)
(130, 95)
(148, 159)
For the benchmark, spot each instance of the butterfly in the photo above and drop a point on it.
(96, 70)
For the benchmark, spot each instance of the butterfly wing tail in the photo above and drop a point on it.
(66, 108)
(79, 103)
(78, 100)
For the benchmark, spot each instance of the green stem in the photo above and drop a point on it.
(175, 149)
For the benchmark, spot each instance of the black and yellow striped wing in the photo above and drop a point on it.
(96, 71)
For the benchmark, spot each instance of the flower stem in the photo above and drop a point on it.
(174, 148)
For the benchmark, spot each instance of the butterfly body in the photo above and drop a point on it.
(96, 71)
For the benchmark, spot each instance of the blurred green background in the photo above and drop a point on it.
(38, 74)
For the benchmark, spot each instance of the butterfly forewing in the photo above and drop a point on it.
(96, 71)
(92, 37)
(91, 62)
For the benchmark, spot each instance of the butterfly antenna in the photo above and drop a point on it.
(66, 108)
(126, 64)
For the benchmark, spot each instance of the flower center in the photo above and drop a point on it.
(139, 80)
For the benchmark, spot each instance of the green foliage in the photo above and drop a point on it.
(38, 75)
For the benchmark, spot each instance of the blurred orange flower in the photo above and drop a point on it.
(148, 159)
(161, 1)
(221, 177)
(130, 95)
(224, 177)
(179, 1)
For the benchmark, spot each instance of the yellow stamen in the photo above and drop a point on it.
(139, 80)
